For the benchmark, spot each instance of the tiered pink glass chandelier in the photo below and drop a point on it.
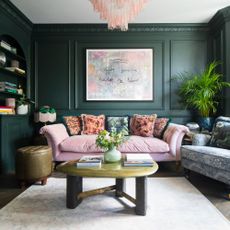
(118, 13)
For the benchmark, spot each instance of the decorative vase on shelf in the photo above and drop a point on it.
(22, 109)
(112, 155)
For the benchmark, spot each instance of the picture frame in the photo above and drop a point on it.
(119, 74)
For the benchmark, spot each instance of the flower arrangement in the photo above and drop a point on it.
(108, 140)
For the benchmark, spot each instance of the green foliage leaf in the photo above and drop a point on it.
(201, 91)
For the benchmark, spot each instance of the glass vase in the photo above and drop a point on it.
(112, 155)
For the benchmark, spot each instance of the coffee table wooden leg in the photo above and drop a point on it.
(141, 195)
(73, 188)
(120, 186)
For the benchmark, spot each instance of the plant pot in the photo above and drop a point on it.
(22, 109)
(206, 123)
(112, 155)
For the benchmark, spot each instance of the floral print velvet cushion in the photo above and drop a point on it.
(92, 124)
(221, 133)
(118, 123)
(143, 125)
(73, 124)
(160, 126)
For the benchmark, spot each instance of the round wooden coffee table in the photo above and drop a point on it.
(74, 194)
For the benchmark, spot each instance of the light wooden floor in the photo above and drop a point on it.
(213, 190)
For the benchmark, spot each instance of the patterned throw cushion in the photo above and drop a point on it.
(221, 133)
(92, 124)
(73, 124)
(143, 125)
(119, 123)
(160, 126)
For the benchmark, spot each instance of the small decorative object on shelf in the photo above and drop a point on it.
(11, 102)
(45, 114)
(109, 141)
(20, 90)
(14, 63)
(23, 105)
(2, 59)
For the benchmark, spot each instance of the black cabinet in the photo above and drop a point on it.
(16, 131)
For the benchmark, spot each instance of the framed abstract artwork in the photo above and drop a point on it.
(119, 74)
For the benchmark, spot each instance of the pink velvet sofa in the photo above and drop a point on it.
(65, 147)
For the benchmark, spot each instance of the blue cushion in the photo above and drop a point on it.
(120, 123)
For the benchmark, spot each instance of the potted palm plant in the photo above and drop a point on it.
(202, 93)
(23, 104)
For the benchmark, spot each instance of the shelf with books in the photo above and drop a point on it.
(6, 71)
(12, 55)
(13, 76)
(11, 93)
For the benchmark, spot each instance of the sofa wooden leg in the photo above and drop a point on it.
(44, 181)
(187, 173)
(22, 184)
(228, 192)
(178, 164)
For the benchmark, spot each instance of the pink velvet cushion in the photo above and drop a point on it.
(138, 144)
(143, 125)
(73, 124)
(160, 126)
(80, 144)
(92, 124)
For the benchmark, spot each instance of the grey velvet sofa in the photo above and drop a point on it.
(211, 161)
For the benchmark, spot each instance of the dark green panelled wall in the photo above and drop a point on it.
(220, 43)
(60, 65)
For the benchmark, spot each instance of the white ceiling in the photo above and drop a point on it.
(156, 11)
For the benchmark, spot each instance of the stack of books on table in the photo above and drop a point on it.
(134, 160)
(8, 87)
(6, 110)
(90, 161)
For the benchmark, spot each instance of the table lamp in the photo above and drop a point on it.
(45, 114)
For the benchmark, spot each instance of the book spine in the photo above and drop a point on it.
(6, 83)
(5, 107)
(8, 90)
(7, 87)
(5, 45)
(87, 165)
(138, 165)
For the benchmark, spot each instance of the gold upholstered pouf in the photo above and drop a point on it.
(33, 163)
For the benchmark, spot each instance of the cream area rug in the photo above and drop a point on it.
(173, 203)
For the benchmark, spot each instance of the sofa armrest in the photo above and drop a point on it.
(54, 134)
(173, 136)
